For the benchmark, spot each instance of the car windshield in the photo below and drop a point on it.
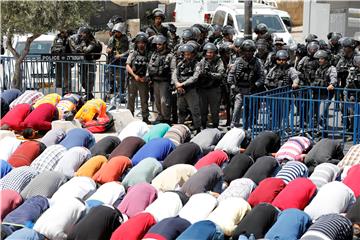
(273, 22)
(38, 47)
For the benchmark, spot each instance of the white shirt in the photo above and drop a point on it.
(108, 193)
(173, 177)
(8, 145)
(167, 205)
(57, 221)
(135, 129)
(232, 140)
(198, 207)
(72, 160)
(333, 197)
(229, 213)
(76, 187)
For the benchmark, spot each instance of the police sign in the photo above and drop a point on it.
(62, 57)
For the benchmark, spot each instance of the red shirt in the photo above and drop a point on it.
(352, 179)
(297, 194)
(16, 116)
(41, 117)
(218, 157)
(135, 228)
(267, 190)
(25, 154)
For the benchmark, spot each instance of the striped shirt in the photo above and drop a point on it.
(18, 178)
(324, 173)
(292, 170)
(238, 188)
(293, 149)
(29, 97)
(48, 159)
(178, 134)
(333, 226)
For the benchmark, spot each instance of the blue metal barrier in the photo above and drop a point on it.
(311, 111)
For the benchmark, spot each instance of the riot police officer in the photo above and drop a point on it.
(84, 42)
(216, 37)
(262, 50)
(236, 51)
(173, 38)
(245, 78)
(117, 50)
(262, 32)
(136, 66)
(325, 76)
(112, 21)
(158, 17)
(63, 73)
(308, 64)
(211, 75)
(185, 78)
(346, 61)
(159, 72)
(228, 35)
(352, 83)
(282, 74)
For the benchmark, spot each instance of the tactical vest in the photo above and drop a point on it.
(245, 72)
(321, 77)
(280, 77)
(205, 80)
(159, 67)
(186, 70)
(139, 64)
(310, 66)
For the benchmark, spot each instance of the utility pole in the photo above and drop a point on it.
(248, 19)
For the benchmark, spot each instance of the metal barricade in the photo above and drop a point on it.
(311, 111)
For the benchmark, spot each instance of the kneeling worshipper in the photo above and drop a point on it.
(13, 119)
(128, 147)
(158, 148)
(351, 158)
(352, 179)
(95, 108)
(241, 187)
(324, 173)
(237, 167)
(26, 234)
(38, 122)
(202, 230)
(68, 106)
(54, 136)
(264, 167)
(266, 191)
(325, 151)
(174, 177)
(135, 228)
(108, 194)
(186, 153)
(58, 220)
(156, 131)
(28, 97)
(137, 199)
(72, 159)
(48, 159)
(78, 137)
(231, 142)
(168, 228)
(291, 224)
(105, 146)
(6, 98)
(25, 215)
(263, 144)
(26, 153)
(293, 150)
(218, 157)
(5, 168)
(18, 178)
(112, 170)
(98, 224)
(333, 197)
(52, 98)
(331, 226)
(257, 222)
(292, 170)
(10, 200)
(207, 139)
(134, 129)
(45, 184)
(91, 166)
(354, 215)
(178, 134)
(145, 171)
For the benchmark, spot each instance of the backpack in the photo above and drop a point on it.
(100, 124)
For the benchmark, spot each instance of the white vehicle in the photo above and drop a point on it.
(33, 70)
(233, 14)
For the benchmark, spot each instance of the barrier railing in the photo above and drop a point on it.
(311, 111)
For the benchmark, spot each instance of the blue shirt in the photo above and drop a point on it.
(202, 230)
(5, 168)
(157, 148)
(10, 95)
(78, 137)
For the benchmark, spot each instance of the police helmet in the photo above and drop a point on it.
(310, 38)
(119, 27)
(261, 28)
(114, 20)
(334, 36)
(312, 48)
(279, 41)
(159, 39)
(187, 48)
(248, 45)
(217, 28)
(356, 60)
(282, 55)
(224, 48)
(150, 32)
(157, 12)
(172, 28)
(323, 45)
(238, 42)
(141, 37)
(347, 42)
(322, 54)
(196, 33)
(210, 47)
(201, 27)
(228, 30)
(84, 30)
(187, 34)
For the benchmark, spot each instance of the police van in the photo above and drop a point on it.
(233, 15)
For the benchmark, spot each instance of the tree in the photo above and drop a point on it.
(39, 17)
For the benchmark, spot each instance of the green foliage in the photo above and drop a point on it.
(38, 17)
